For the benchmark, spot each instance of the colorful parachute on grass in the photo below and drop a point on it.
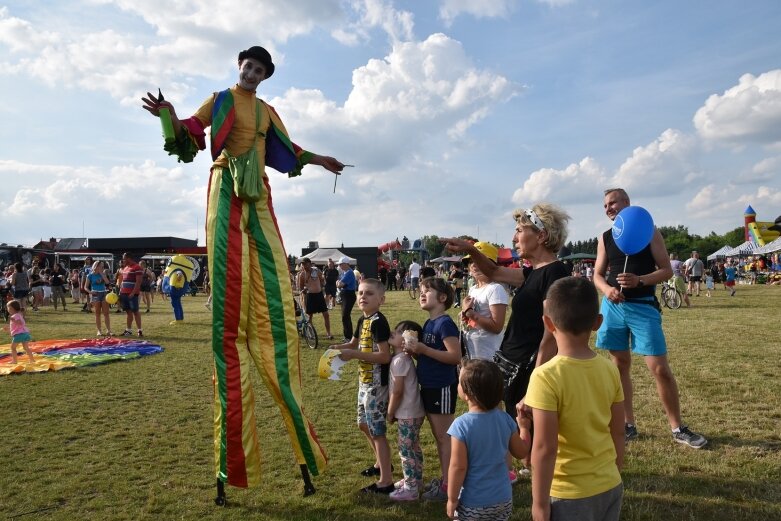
(54, 355)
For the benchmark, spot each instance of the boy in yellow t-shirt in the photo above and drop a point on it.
(576, 403)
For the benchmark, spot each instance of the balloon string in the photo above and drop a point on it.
(626, 261)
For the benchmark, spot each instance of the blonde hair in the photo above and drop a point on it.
(553, 218)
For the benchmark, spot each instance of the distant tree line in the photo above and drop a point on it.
(678, 240)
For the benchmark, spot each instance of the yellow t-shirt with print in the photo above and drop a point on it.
(582, 392)
(372, 331)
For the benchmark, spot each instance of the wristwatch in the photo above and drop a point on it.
(640, 282)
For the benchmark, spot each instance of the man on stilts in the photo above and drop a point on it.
(253, 312)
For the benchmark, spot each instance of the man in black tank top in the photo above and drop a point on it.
(630, 310)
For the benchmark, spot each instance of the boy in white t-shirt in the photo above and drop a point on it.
(406, 408)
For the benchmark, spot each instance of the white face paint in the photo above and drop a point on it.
(251, 73)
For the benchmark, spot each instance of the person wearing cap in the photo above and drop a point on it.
(483, 311)
(253, 311)
(347, 285)
(540, 232)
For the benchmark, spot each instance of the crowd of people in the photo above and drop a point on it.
(538, 367)
(537, 374)
(92, 288)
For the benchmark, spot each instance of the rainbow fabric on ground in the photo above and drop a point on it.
(55, 355)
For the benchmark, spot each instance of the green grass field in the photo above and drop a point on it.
(133, 440)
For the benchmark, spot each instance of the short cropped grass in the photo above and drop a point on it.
(133, 440)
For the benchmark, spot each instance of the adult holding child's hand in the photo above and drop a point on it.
(540, 232)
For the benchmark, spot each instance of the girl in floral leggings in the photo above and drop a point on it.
(406, 408)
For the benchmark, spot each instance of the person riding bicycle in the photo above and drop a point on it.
(677, 280)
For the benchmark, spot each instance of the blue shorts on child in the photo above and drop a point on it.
(21, 337)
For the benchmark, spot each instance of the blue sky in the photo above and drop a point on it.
(454, 112)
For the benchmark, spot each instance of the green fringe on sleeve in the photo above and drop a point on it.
(303, 159)
(184, 147)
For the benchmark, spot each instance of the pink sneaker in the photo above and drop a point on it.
(513, 477)
(404, 494)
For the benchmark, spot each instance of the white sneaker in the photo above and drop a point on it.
(404, 494)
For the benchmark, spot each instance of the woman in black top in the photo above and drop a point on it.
(539, 234)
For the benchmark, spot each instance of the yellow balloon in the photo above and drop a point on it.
(112, 298)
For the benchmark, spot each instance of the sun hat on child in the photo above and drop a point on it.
(487, 249)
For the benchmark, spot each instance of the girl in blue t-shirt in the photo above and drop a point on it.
(478, 487)
(97, 283)
(438, 353)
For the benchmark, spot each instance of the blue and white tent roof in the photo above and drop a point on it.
(747, 248)
(720, 252)
(770, 247)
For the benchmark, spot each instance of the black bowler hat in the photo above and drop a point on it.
(260, 54)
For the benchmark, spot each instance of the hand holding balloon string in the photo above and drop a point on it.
(633, 229)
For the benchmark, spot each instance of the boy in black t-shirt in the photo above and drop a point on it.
(370, 345)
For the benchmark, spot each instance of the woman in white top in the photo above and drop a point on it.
(484, 310)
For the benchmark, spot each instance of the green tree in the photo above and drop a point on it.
(735, 237)
(432, 245)
(677, 239)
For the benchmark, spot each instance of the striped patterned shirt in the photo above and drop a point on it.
(131, 278)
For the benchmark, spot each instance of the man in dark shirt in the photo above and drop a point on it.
(629, 308)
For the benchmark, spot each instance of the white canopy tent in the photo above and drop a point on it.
(720, 252)
(747, 248)
(452, 258)
(770, 247)
(321, 256)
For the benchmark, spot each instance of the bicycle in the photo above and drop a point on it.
(305, 328)
(412, 289)
(671, 297)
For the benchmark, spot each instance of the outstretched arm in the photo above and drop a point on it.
(329, 163)
(490, 269)
(153, 105)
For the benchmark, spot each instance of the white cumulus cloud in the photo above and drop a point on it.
(749, 112)
(422, 92)
(59, 199)
(577, 182)
(662, 167)
(450, 9)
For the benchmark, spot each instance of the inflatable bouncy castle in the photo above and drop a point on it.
(760, 232)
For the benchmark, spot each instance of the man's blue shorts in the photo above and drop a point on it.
(642, 323)
(128, 303)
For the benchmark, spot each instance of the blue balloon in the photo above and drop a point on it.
(633, 229)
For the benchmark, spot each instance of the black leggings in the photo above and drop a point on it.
(348, 301)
